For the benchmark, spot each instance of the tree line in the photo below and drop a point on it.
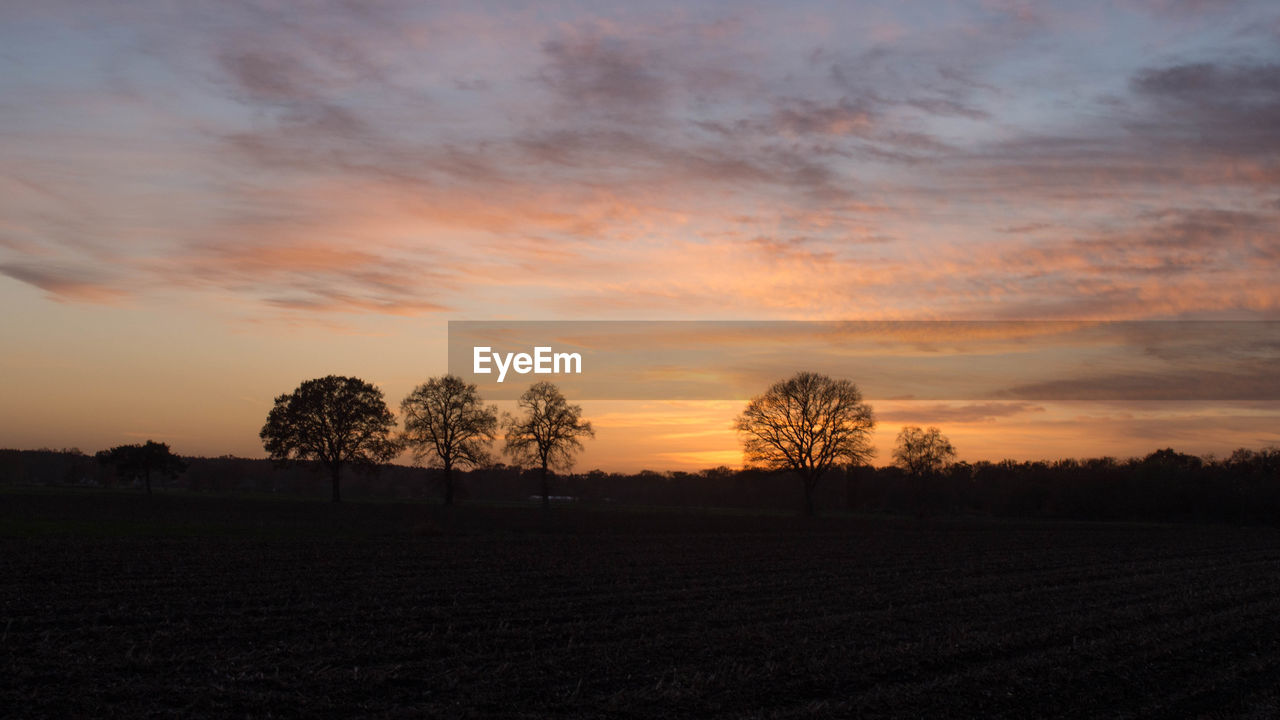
(810, 428)
(806, 425)
(340, 421)
(1165, 485)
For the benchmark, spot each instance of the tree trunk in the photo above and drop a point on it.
(448, 483)
(546, 489)
(809, 484)
(336, 471)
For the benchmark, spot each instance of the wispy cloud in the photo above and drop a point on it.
(66, 283)
(944, 413)
(393, 158)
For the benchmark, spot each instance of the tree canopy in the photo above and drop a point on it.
(807, 424)
(922, 452)
(136, 461)
(447, 425)
(333, 420)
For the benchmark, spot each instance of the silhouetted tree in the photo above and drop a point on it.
(547, 434)
(334, 420)
(1264, 462)
(807, 425)
(446, 423)
(922, 452)
(134, 461)
(1171, 459)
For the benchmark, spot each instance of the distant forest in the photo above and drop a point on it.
(1163, 486)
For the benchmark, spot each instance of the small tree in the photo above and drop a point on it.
(334, 420)
(807, 425)
(548, 433)
(134, 461)
(922, 452)
(446, 424)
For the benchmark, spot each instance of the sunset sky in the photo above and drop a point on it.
(203, 204)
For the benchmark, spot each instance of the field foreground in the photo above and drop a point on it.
(127, 606)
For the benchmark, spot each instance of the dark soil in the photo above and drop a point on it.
(185, 607)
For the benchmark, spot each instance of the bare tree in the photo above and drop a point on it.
(142, 460)
(807, 425)
(922, 452)
(335, 420)
(447, 424)
(548, 434)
